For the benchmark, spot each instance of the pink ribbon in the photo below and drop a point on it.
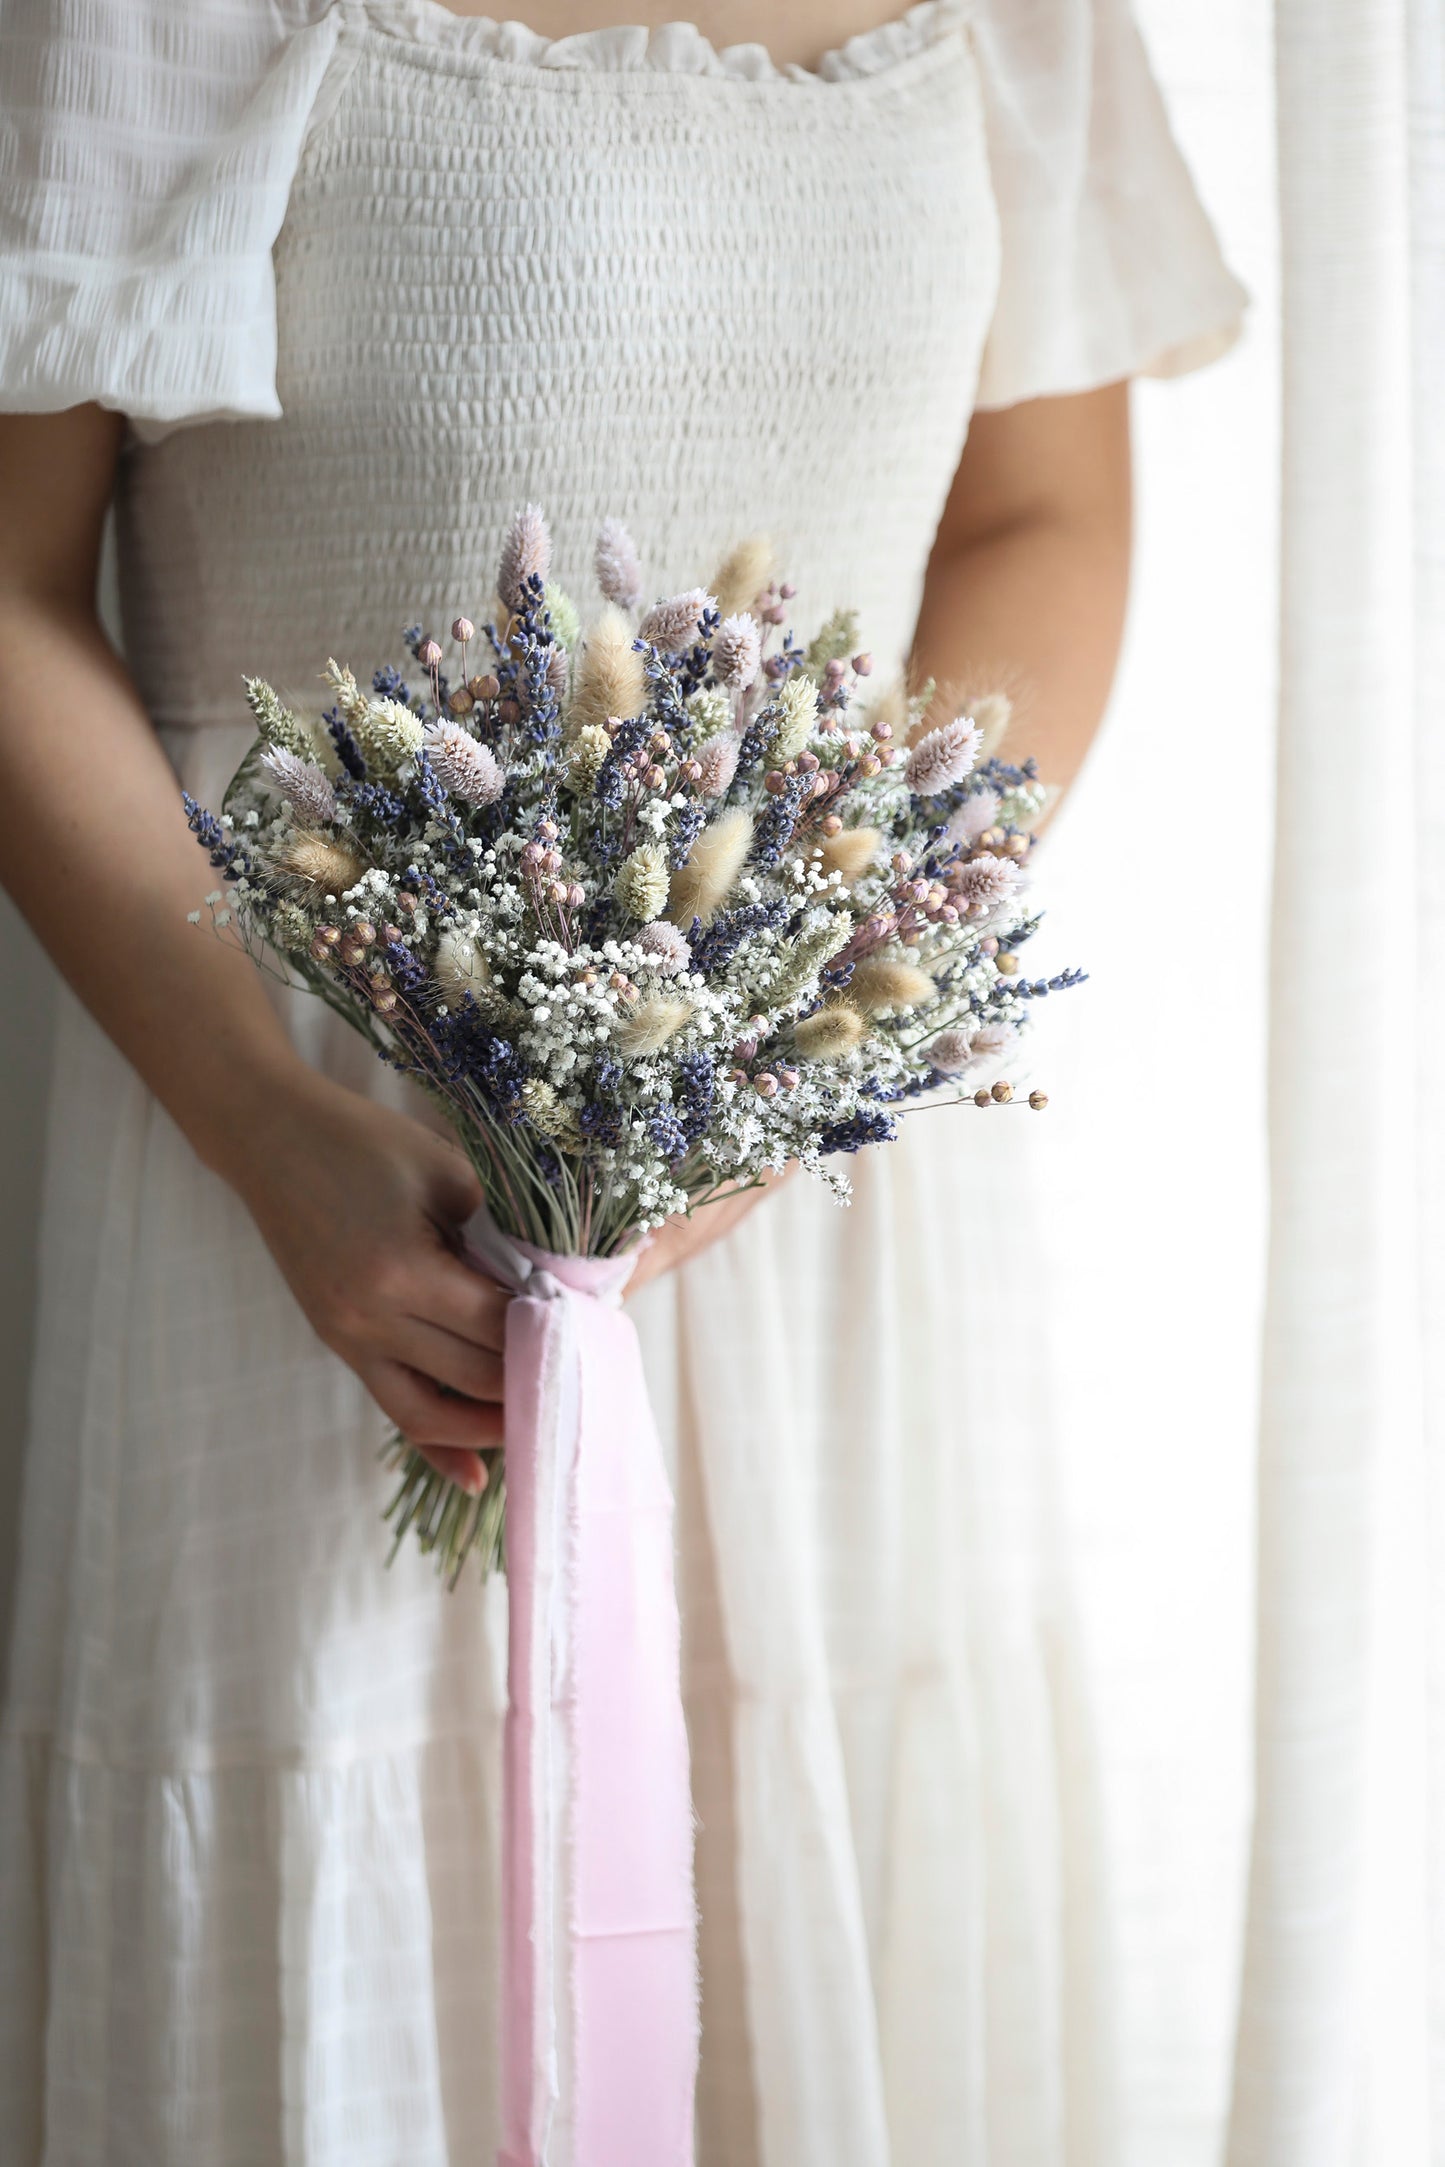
(599, 1922)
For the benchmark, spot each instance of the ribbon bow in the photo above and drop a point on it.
(599, 1922)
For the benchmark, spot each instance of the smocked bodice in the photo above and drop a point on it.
(711, 301)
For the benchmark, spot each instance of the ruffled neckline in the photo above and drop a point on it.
(670, 49)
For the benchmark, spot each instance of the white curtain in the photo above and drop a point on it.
(1339, 2042)
(1280, 1895)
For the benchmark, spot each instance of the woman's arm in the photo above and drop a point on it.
(1025, 590)
(358, 1204)
(1029, 575)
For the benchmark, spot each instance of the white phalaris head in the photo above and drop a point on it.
(797, 719)
(641, 884)
(388, 734)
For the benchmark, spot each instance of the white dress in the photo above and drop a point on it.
(397, 272)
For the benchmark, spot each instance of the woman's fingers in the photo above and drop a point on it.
(463, 1468)
(446, 1359)
(443, 1291)
(454, 1190)
(427, 1416)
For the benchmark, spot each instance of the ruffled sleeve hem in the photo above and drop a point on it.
(181, 344)
(137, 272)
(1109, 265)
(1134, 294)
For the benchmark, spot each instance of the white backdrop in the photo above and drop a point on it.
(1152, 1151)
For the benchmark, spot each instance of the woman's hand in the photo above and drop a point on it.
(684, 1238)
(363, 1208)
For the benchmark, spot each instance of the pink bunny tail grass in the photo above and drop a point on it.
(463, 767)
(974, 817)
(302, 783)
(666, 946)
(617, 565)
(943, 757)
(672, 625)
(718, 763)
(526, 555)
(986, 882)
(736, 651)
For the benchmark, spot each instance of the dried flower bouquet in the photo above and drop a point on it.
(650, 909)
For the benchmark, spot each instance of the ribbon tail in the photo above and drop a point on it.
(599, 1930)
(633, 1925)
(541, 1439)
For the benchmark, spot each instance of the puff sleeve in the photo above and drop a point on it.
(1110, 267)
(147, 149)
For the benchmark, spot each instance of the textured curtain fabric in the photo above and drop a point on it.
(1339, 2042)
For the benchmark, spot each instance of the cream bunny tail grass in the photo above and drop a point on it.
(742, 575)
(608, 678)
(703, 884)
(651, 1024)
(885, 985)
(850, 853)
(320, 863)
(830, 1032)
